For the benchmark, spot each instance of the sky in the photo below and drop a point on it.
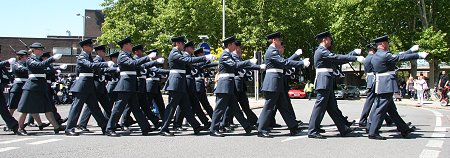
(39, 18)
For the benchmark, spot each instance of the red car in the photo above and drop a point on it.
(297, 93)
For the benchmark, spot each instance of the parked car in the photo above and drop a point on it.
(363, 91)
(296, 93)
(353, 91)
(340, 92)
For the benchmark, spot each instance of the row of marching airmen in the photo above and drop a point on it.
(130, 83)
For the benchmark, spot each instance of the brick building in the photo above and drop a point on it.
(66, 45)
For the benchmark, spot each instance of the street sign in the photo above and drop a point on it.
(206, 48)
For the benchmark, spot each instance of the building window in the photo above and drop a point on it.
(62, 50)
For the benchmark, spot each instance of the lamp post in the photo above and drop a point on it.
(223, 19)
(84, 23)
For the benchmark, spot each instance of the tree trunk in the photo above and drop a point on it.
(414, 68)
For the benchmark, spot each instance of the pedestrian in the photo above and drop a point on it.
(309, 89)
(420, 86)
(410, 88)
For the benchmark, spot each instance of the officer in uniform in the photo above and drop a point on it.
(200, 84)
(113, 79)
(10, 121)
(20, 71)
(240, 92)
(138, 51)
(325, 64)
(35, 98)
(370, 86)
(383, 63)
(176, 85)
(274, 87)
(100, 76)
(84, 89)
(225, 88)
(191, 86)
(127, 89)
(153, 85)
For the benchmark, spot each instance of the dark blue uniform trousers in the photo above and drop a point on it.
(91, 101)
(385, 103)
(157, 98)
(131, 100)
(242, 99)
(10, 121)
(367, 109)
(146, 108)
(205, 103)
(106, 104)
(326, 102)
(274, 101)
(178, 99)
(196, 108)
(223, 101)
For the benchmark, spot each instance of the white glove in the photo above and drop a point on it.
(58, 71)
(152, 55)
(242, 73)
(299, 52)
(253, 61)
(11, 61)
(118, 69)
(210, 57)
(110, 63)
(423, 55)
(63, 66)
(262, 66)
(357, 51)
(414, 48)
(306, 62)
(160, 60)
(57, 56)
(360, 59)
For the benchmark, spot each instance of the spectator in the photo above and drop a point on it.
(420, 85)
(410, 87)
(309, 87)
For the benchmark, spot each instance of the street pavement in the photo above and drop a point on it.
(431, 140)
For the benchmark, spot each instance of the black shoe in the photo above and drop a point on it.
(167, 134)
(216, 134)
(407, 132)
(158, 125)
(60, 128)
(413, 128)
(15, 130)
(22, 132)
(350, 123)
(409, 123)
(6, 129)
(198, 129)
(83, 129)
(63, 120)
(248, 130)
(145, 133)
(226, 129)
(362, 125)
(207, 125)
(377, 137)
(112, 133)
(299, 122)
(43, 125)
(316, 136)
(264, 135)
(348, 131)
(321, 130)
(295, 132)
(72, 133)
(234, 126)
